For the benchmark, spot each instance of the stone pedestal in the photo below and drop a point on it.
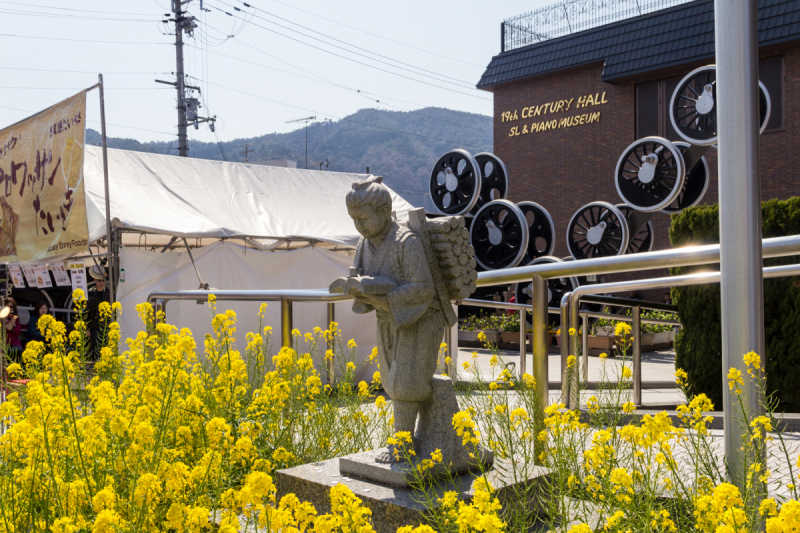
(393, 507)
(434, 431)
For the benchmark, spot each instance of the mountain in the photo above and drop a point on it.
(368, 138)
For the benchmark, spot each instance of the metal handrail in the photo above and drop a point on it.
(570, 313)
(687, 256)
(630, 302)
(677, 257)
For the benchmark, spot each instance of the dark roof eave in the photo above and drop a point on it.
(775, 17)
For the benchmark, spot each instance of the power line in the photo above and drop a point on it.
(75, 40)
(359, 62)
(80, 88)
(75, 9)
(77, 71)
(94, 121)
(320, 79)
(342, 118)
(326, 19)
(107, 88)
(64, 16)
(466, 83)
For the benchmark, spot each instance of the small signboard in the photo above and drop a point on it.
(61, 275)
(30, 276)
(42, 276)
(16, 276)
(77, 270)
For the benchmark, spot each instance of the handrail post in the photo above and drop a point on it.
(523, 352)
(574, 398)
(286, 323)
(539, 337)
(160, 305)
(636, 328)
(564, 348)
(741, 282)
(330, 366)
(585, 347)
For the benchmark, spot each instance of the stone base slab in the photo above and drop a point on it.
(364, 466)
(394, 507)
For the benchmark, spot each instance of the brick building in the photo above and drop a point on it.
(566, 108)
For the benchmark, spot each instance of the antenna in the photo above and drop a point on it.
(306, 120)
(246, 151)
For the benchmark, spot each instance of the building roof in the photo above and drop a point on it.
(673, 36)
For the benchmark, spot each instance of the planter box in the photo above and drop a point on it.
(509, 337)
(472, 336)
(661, 338)
(647, 339)
(600, 343)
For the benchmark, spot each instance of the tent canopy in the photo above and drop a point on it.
(200, 198)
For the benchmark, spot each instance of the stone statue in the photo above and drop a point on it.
(408, 274)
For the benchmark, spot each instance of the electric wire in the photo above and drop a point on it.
(75, 9)
(361, 62)
(39, 14)
(341, 118)
(326, 19)
(93, 121)
(81, 71)
(319, 79)
(448, 78)
(81, 88)
(76, 40)
(358, 92)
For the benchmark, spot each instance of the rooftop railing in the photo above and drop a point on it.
(572, 16)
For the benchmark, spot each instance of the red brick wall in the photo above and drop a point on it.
(566, 168)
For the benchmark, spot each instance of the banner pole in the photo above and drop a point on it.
(111, 261)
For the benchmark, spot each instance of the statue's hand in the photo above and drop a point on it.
(377, 301)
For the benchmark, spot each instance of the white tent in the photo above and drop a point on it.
(200, 198)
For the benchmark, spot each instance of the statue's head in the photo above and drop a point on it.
(370, 206)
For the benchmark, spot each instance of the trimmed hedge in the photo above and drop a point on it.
(698, 345)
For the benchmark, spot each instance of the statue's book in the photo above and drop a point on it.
(363, 285)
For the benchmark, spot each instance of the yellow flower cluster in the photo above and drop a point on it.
(167, 436)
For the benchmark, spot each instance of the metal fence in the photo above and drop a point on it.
(572, 16)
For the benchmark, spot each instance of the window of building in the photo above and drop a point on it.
(653, 98)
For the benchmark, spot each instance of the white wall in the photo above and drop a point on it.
(230, 266)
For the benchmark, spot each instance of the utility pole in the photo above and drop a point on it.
(180, 21)
(187, 107)
(246, 151)
(306, 120)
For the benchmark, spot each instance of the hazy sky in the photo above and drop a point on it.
(125, 40)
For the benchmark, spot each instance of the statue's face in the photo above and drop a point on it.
(370, 222)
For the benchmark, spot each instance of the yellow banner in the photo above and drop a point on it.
(41, 184)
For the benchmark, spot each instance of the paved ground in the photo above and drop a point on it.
(656, 367)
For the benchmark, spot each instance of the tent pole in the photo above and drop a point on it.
(109, 237)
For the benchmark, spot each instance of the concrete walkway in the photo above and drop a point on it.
(658, 368)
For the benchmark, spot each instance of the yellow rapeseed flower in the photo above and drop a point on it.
(735, 381)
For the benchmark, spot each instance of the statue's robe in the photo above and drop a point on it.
(410, 332)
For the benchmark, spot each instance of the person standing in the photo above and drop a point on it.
(13, 330)
(94, 324)
(34, 333)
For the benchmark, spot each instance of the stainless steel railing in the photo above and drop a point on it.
(538, 274)
(570, 315)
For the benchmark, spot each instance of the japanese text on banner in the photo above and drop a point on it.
(42, 197)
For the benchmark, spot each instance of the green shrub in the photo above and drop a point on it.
(698, 345)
